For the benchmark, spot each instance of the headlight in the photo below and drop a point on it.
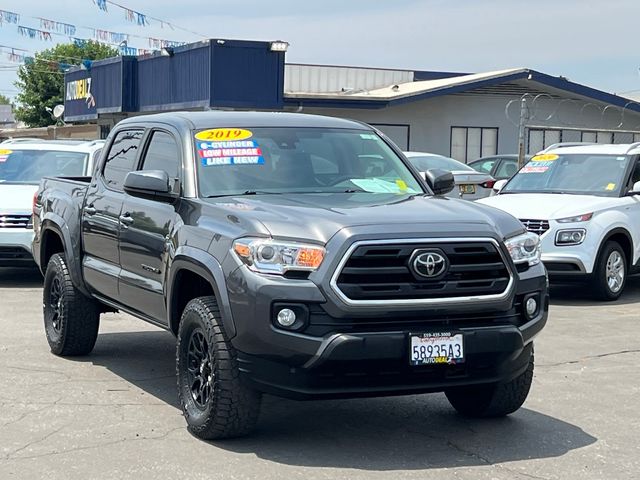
(578, 218)
(524, 248)
(574, 236)
(271, 256)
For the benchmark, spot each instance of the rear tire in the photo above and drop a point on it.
(71, 319)
(494, 400)
(610, 273)
(215, 401)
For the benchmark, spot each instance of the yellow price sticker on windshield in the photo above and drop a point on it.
(5, 152)
(545, 157)
(611, 186)
(402, 185)
(224, 134)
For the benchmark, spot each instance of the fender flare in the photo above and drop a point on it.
(56, 224)
(202, 263)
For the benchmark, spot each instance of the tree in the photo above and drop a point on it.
(41, 80)
(4, 100)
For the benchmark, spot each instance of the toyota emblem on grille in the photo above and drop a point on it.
(429, 263)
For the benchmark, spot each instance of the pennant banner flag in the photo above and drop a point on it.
(102, 4)
(34, 33)
(60, 27)
(8, 17)
(136, 17)
(110, 37)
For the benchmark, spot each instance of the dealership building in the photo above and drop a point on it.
(463, 115)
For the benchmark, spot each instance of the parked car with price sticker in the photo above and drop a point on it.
(583, 201)
(23, 163)
(296, 255)
(469, 183)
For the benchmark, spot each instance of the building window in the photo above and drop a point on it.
(540, 138)
(471, 143)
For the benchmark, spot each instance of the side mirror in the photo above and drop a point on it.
(152, 184)
(440, 181)
(635, 190)
(499, 185)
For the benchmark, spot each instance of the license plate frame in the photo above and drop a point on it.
(467, 188)
(440, 342)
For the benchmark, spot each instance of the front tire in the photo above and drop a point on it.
(610, 274)
(494, 400)
(71, 319)
(215, 401)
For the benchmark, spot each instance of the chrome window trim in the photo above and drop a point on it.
(421, 301)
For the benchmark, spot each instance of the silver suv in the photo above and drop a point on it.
(23, 162)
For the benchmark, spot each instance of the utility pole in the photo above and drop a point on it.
(521, 129)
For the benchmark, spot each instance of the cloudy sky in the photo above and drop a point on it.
(590, 42)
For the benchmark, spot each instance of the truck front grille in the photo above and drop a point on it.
(15, 221)
(535, 226)
(384, 272)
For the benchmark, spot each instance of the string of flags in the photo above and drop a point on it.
(102, 4)
(60, 27)
(34, 33)
(136, 17)
(9, 17)
(141, 18)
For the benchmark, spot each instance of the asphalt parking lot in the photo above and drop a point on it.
(114, 414)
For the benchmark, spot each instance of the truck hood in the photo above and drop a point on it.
(548, 206)
(320, 216)
(16, 198)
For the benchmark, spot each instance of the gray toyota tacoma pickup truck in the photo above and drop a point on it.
(295, 255)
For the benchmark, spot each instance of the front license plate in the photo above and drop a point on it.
(437, 348)
(467, 188)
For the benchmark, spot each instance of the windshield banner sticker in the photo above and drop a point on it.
(224, 134)
(545, 157)
(245, 152)
(4, 154)
(532, 169)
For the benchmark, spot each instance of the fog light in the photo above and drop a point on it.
(531, 307)
(286, 317)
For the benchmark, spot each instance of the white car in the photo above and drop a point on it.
(22, 165)
(584, 202)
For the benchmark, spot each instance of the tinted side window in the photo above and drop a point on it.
(121, 157)
(163, 154)
(485, 166)
(508, 168)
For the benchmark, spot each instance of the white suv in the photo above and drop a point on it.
(584, 202)
(23, 162)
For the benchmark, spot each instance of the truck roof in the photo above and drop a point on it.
(219, 118)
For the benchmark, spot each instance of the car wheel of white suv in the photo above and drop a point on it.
(610, 274)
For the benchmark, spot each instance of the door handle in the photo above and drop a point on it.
(90, 210)
(126, 219)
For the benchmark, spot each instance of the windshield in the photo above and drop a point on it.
(29, 166)
(427, 162)
(585, 174)
(234, 161)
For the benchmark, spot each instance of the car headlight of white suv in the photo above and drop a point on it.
(524, 248)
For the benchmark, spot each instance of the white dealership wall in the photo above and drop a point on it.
(430, 121)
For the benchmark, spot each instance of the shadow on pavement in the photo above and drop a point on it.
(580, 294)
(29, 277)
(394, 433)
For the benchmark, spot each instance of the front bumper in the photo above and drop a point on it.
(15, 247)
(564, 262)
(347, 352)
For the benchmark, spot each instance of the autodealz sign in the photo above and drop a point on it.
(80, 90)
